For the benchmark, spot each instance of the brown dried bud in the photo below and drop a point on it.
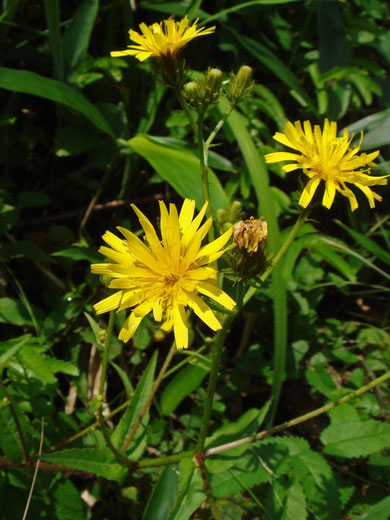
(249, 234)
(251, 238)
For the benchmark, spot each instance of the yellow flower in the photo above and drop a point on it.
(161, 40)
(324, 156)
(164, 276)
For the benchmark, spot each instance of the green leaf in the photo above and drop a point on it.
(272, 62)
(181, 169)
(96, 329)
(377, 128)
(45, 367)
(101, 462)
(191, 491)
(12, 350)
(80, 253)
(185, 381)
(367, 243)
(286, 503)
(379, 511)
(315, 475)
(14, 312)
(248, 424)
(266, 206)
(77, 36)
(356, 439)
(31, 83)
(163, 496)
(131, 415)
(52, 13)
(9, 437)
(68, 504)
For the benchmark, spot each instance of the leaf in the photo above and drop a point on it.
(356, 439)
(185, 381)
(315, 475)
(191, 491)
(31, 83)
(163, 496)
(9, 437)
(131, 415)
(367, 243)
(68, 504)
(12, 350)
(248, 424)
(267, 207)
(14, 312)
(272, 62)
(379, 511)
(377, 128)
(45, 367)
(286, 503)
(80, 253)
(76, 39)
(96, 329)
(101, 462)
(181, 169)
(52, 13)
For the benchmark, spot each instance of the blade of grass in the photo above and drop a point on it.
(259, 177)
(52, 13)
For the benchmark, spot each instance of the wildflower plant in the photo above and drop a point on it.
(178, 355)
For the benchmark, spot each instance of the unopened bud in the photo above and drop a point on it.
(213, 84)
(191, 92)
(251, 238)
(241, 84)
(105, 279)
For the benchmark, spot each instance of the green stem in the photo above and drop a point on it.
(187, 110)
(216, 354)
(100, 417)
(161, 461)
(204, 170)
(155, 386)
(275, 261)
(218, 126)
(107, 342)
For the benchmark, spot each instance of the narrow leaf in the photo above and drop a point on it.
(31, 83)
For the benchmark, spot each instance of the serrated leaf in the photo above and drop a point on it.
(9, 438)
(101, 462)
(356, 439)
(131, 415)
(184, 382)
(45, 367)
(191, 494)
(13, 349)
(379, 511)
(286, 502)
(248, 424)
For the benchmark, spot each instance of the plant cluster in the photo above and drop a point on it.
(241, 369)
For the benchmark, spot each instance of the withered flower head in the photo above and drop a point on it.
(249, 234)
(251, 238)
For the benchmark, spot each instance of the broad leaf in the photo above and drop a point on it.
(163, 496)
(181, 169)
(101, 462)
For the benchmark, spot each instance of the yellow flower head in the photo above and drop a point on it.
(166, 275)
(162, 40)
(324, 156)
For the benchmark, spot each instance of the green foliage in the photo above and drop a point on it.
(83, 135)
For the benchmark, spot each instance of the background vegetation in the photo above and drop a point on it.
(75, 151)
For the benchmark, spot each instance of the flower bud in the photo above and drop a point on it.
(191, 92)
(241, 84)
(213, 84)
(251, 238)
